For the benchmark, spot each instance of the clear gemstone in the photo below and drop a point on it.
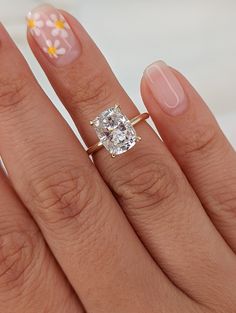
(115, 131)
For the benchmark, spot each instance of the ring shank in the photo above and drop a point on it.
(137, 119)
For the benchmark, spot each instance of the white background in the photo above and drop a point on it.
(196, 37)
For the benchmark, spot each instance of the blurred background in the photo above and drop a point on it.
(196, 37)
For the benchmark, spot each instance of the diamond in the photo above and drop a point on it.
(115, 131)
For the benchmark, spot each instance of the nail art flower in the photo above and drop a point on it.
(59, 25)
(54, 49)
(34, 23)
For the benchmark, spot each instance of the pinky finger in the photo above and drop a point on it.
(193, 136)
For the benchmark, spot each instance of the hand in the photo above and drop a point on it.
(153, 230)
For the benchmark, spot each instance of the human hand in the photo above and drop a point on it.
(151, 230)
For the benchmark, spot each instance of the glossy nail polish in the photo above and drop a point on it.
(165, 88)
(53, 35)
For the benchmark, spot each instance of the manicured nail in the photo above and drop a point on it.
(165, 88)
(53, 34)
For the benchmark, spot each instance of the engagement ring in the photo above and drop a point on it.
(115, 131)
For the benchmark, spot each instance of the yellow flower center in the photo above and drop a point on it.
(52, 50)
(31, 23)
(60, 24)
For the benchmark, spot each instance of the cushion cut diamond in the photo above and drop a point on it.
(115, 131)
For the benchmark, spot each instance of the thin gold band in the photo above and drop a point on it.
(137, 119)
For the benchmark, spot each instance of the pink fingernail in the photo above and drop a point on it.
(53, 34)
(166, 88)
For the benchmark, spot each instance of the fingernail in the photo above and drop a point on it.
(165, 88)
(53, 35)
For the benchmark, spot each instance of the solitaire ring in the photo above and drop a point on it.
(115, 131)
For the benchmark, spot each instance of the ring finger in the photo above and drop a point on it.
(83, 224)
(147, 181)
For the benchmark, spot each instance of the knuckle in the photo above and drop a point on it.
(93, 90)
(224, 199)
(64, 195)
(199, 141)
(17, 255)
(13, 92)
(148, 183)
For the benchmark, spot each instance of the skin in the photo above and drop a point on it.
(153, 230)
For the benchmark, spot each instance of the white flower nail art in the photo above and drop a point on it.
(59, 25)
(53, 35)
(54, 49)
(34, 23)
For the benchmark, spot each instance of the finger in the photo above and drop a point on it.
(28, 271)
(83, 224)
(196, 141)
(146, 180)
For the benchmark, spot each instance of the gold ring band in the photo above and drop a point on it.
(137, 119)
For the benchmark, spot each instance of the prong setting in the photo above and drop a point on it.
(115, 130)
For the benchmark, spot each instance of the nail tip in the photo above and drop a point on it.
(155, 64)
(166, 88)
(53, 34)
(40, 7)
